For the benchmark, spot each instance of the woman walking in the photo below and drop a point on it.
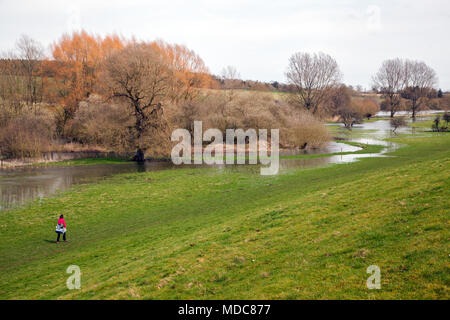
(61, 228)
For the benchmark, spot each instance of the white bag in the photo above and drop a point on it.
(60, 228)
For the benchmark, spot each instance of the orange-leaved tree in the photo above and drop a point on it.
(189, 69)
(79, 56)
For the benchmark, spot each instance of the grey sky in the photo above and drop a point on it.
(257, 37)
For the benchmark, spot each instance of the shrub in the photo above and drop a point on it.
(365, 107)
(111, 126)
(303, 130)
(104, 124)
(349, 116)
(369, 108)
(397, 122)
(26, 135)
(446, 117)
(436, 127)
(249, 109)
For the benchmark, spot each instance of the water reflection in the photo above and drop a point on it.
(332, 147)
(19, 185)
(289, 164)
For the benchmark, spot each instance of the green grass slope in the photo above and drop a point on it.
(204, 234)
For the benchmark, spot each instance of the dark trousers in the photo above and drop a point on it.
(64, 236)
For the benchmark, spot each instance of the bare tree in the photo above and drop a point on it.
(30, 54)
(230, 73)
(390, 81)
(140, 76)
(420, 80)
(230, 77)
(312, 75)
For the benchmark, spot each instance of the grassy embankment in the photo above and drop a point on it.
(200, 233)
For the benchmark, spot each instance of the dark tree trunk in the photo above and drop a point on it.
(139, 157)
(414, 108)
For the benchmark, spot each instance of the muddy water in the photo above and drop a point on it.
(20, 185)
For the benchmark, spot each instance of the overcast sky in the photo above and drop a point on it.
(257, 37)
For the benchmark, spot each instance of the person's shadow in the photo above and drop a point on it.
(50, 241)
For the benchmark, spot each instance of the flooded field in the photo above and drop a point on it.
(19, 185)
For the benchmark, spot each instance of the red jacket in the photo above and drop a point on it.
(61, 221)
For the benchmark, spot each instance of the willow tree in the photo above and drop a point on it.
(79, 56)
(190, 71)
(140, 76)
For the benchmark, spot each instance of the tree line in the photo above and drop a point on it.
(112, 93)
(143, 75)
(403, 84)
(412, 80)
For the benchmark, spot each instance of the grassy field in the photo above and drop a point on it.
(201, 233)
(426, 124)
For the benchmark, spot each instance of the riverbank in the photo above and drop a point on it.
(86, 160)
(202, 233)
(64, 159)
(77, 158)
(363, 148)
